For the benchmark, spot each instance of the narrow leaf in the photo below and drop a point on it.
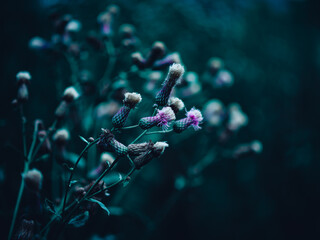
(83, 139)
(100, 204)
(79, 220)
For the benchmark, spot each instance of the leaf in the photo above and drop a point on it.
(72, 182)
(113, 177)
(79, 220)
(100, 204)
(83, 139)
(50, 206)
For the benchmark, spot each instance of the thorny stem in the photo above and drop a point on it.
(72, 172)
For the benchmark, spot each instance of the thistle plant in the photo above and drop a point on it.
(109, 110)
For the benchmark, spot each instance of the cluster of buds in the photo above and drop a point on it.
(130, 101)
(70, 94)
(33, 179)
(194, 118)
(23, 80)
(106, 20)
(143, 153)
(108, 143)
(161, 119)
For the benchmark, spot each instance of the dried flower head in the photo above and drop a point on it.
(176, 104)
(70, 94)
(38, 43)
(73, 26)
(33, 179)
(159, 147)
(167, 61)
(107, 143)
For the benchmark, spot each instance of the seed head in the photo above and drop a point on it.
(176, 104)
(23, 77)
(165, 115)
(176, 71)
(61, 136)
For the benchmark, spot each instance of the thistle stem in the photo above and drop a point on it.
(129, 127)
(72, 172)
(156, 132)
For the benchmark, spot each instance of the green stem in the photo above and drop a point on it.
(129, 127)
(72, 172)
(16, 209)
(24, 137)
(156, 132)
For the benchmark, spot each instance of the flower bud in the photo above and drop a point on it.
(237, 118)
(33, 179)
(175, 73)
(162, 119)
(214, 112)
(130, 101)
(194, 118)
(38, 43)
(214, 65)
(108, 143)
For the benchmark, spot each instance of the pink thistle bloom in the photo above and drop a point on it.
(162, 119)
(194, 118)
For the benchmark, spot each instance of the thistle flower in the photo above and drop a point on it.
(224, 78)
(106, 19)
(33, 179)
(23, 77)
(145, 152)
(61, 137)
(73, 26)
(175, 73)
(138, 60)
(214, 65)
(69, 95)
(107, 143)
(194, 118)
(214, 112)
(157, 51)
(162, 119)
(192, 85)
(176, 104)
(25, 230)
(130, 101)
(167, 61)
(237, 118)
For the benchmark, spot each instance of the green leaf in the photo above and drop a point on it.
(72, 182)
(79, 220)
(100, 204)
(83, 139)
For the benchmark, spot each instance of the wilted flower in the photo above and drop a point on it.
(33, 179)
(130, 101)
(162, 119)
(145, 152)
(175, 73)
(194, 118)
(214, 112)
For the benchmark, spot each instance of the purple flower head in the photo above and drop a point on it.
(164, 116)
(195, 118)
